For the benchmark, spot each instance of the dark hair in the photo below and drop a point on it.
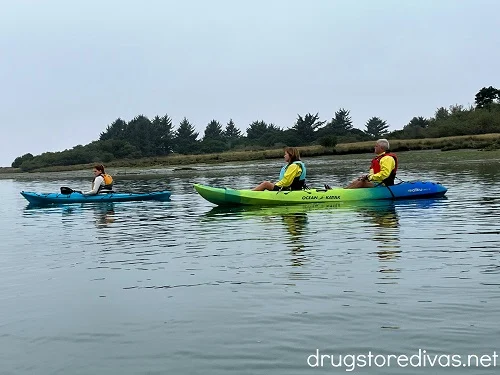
(99, 167)
(294, 153)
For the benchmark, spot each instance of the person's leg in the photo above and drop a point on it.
(359, 183)
(266, 185)
(354, 184)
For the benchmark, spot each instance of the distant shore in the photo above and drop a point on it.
(487, 142)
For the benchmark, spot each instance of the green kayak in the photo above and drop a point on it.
(404, 190)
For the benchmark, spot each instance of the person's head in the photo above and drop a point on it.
(381, 145)
(291, 154)
(98, 169)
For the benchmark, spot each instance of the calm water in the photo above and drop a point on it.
(181, 287)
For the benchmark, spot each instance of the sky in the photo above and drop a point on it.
(70, 68)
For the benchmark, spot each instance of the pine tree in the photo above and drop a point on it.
(114, 131)
(163, 135)
(213, 131)
(341, 123)
(185, 139)
(376, 127)
(486, 96)
(231, 131)
(231, 134)
(305, 127)
(256, 130)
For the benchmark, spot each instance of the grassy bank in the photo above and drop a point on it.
(482, 142)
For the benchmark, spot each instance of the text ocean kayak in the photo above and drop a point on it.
(404, 190)
(48, 198)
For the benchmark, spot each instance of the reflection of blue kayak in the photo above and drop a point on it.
(75, 197)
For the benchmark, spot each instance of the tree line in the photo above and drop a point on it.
(142, 137)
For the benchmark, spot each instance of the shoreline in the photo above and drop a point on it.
(158, 171)
(483, 142)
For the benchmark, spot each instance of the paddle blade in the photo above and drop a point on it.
(66, 190)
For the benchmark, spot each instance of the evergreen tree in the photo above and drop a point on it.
(262, 134)
(214, 131)
(305, 127)
(441, 114)
(376, 127)
(273, 136)
(231, 134)
(139, 133)
(486, 96)
(114, 131)
(256, 130)
(418, 122)
(163, 135)
(341, 123)
(416, 128)
(185, 138)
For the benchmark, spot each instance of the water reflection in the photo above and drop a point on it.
(294, 219)
(387, 234)
(385, 220)
(381, 219)
(104, 213)
(295, 224)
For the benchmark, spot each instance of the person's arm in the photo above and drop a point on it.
(387, 164)
(291, 172)
(97, 183)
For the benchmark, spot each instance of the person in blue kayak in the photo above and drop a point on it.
(383, 168)
(102, 183)
(292, 175)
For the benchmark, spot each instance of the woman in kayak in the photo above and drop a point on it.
(382, 169)
(102, 183)
(292, 176)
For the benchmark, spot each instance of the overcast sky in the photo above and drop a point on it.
(70, 68)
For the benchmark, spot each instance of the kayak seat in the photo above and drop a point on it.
(106, 192)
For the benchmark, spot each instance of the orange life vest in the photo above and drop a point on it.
(108, 182)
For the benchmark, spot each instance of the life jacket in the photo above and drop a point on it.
(299, 182)
(108, 182)
(375, 165)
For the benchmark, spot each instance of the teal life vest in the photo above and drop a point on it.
(299, 182)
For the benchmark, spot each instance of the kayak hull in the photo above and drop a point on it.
(57, 198)
(405, 190)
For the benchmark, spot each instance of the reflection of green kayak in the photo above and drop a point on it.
(374, 206)
(404, 190)
(255, 210)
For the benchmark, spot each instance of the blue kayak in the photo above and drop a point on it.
(76, 197)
